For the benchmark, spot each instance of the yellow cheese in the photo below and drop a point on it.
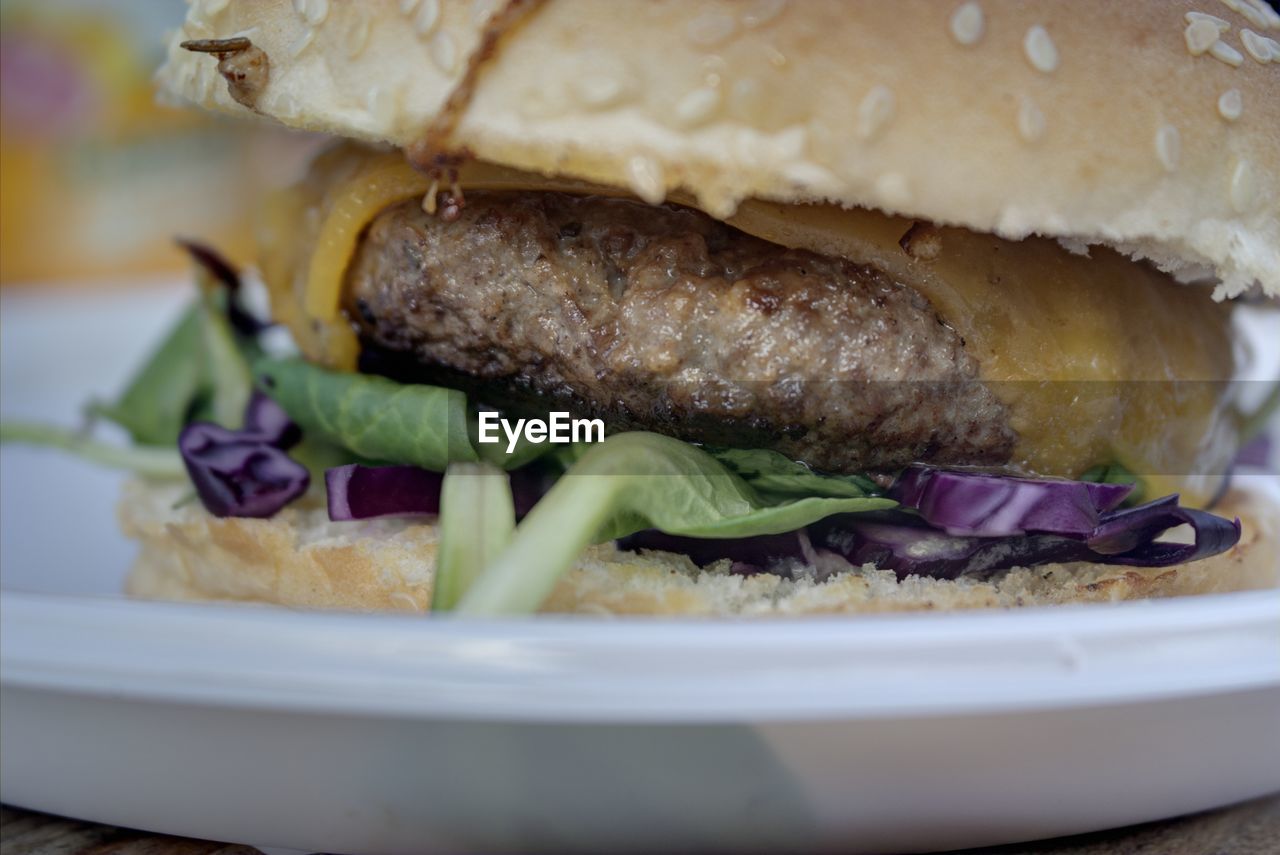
(1098, 359)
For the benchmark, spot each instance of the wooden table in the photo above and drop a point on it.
(1252, 828)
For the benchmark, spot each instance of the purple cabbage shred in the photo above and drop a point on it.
(964, 523)
(226, 275)
(358, 492)
(246, 472)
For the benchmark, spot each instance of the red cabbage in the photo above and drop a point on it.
(237, 474)
(1132, 532)
(359, 492)
(225, 274)
(748, 554)
(365, 492)
(898, 541)
(267, 420)
(982, 505)
(245, 473)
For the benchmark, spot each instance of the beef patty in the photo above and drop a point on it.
(662, 318)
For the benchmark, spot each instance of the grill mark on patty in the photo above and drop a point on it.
(663, 318)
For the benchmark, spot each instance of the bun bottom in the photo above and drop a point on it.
(300, 559)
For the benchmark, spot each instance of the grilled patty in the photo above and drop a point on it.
(662, 318)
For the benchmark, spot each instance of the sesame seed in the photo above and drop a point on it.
(381, 105)
(807, 175)
(645, 177)
(200, 79)
(1230, 105)
(875, 111)
(762, 12)
(1031, 121)
(1254, 13)
(213, 7)
(1225, 52)
(1223, 26)
(300, 44)
(1201, 35)
(697, 106)
(196, 28)
(427, 18)
(189, 74)
(283, 106)
(720, 202)
(1040, 49)
(710, 29)
(312, 11)
(356, 36)
(746, 100)
(893, 188)
(444, 52)
(541, 102)
(1270, 15)
(482, 10)
(1233, 5)
(1168, 147)
(407, 6)
(789, 144)
(1256, 46)
(967, 23)
(1243, 188)
(597, 91)
(430, 201)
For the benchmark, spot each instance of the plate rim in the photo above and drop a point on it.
(587, 669)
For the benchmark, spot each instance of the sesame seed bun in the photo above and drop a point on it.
(301, 560)
(1146, 126)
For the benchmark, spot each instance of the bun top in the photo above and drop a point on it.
(1150, 126)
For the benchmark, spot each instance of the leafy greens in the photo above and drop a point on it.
(630, 482)
(477, 516)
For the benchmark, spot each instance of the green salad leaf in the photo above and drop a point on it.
(374, 417)
(1115, 473)
(630, 482)
(380, 419)
(774, 474)
(142, 460)
(200, 371)
(154, 406)
(225, 357)
(477, 516)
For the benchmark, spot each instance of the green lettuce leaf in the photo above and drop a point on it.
(155, 405)
(1115, 473)
(200, 371)
(776, 475)
(380, 419)
(629, 482)
(477, 516)
(374, 417)
(225, 357)
(142, 460)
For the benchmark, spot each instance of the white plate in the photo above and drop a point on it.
(363, 733)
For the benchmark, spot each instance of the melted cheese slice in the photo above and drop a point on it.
(1098, 359)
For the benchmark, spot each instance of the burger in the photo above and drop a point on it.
(724, 308)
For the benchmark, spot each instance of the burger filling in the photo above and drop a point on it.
(663, 319)
(827, 387)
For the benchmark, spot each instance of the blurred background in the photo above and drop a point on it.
(96, 178)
